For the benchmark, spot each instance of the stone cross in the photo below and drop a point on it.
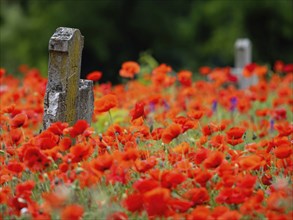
(68, 98)
(242, 58)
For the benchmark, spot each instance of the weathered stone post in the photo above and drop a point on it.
(67, 98)
(242, 52)
(242, 58)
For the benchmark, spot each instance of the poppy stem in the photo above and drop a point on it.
(285, 164)
(232, 119)
(110, 115)
(22, 131)
(116, 135)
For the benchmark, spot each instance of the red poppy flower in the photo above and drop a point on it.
(157, 133)
(15, 167)
(63, 167)
(105, 103)
(171, 132)
(207, 130)
(57, 128)
(288, 68)
(65, 143)
(16, 135)
(156, 202)
(133, 202)
(117, 174)
(18, 120)
(219, 211)
(228, 179)
(94, 76)
(231, 196)
(2, 72)
(261, 70)
(145, 165)
(79, 127)
(23, 68)
(35, 159)
(46, 140)
(5, 193)
(234, 142)
(252, 162)
(283, 151)
(232, 78)
(184, 166)
(284, 129)
(247, 181)
(72, 212)
(204, 70)
(202, 177)
(80, 152)
(235, 133)
(130, 153)
(8, 109)
(179, 204)
(14, 110)
(199, 213)
(162, 69)
(102, 162)
(235, 215)
(195, 114)
(138, 110)
(182, 148)
(162, 79)
(129, 69)
(197, 195)
(249, 69)
(214, 159)
(218, 141)
(144, 185)
(170, 179)
(280, 114)
(25, 188)
(278, 66)
(200, 155)
(267, 179)
(185, 123)
(184, 77)
(262, 112)
(17, 204)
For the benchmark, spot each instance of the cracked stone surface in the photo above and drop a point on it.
(67, 98)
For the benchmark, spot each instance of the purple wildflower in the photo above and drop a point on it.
(214, 105)
(233, 102)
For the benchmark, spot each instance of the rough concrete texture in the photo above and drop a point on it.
(63, 89)
(86, 100)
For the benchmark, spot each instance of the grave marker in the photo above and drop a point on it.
(68, 98)
(242, 58)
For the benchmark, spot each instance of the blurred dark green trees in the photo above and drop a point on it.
(184, 34)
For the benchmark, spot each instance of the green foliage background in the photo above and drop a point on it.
(184, 34)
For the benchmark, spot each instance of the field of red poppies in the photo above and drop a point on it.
(161, 146)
